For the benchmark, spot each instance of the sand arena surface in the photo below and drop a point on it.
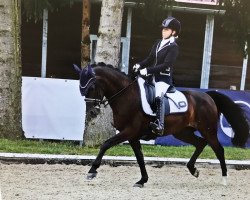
(68, 182)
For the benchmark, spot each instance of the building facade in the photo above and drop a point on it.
(223, 63)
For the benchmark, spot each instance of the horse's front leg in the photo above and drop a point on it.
(136, 146)
(117, 139)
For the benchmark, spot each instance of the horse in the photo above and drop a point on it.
(102, 84)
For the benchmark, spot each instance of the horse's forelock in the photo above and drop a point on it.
(90, 70)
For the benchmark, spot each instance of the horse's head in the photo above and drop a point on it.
(88, 86)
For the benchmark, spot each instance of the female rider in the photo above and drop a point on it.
(160, 63)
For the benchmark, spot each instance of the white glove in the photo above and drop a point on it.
(136, 67)
(144, 72)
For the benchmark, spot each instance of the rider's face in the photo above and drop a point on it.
(167, 32)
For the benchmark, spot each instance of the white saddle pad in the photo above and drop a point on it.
(177, 101)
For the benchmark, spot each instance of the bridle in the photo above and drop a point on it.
(104, 101)
(86, 87)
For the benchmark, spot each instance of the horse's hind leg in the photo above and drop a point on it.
(188, 136)
(136, 146)
(117, 139)
(219, 152)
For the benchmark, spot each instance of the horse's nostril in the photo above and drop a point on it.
(94, 112)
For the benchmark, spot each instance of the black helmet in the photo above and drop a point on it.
(173, 24)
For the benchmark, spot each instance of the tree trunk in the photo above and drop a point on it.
(85, 50)
(99, 129)
(109, 39)
(10, 69)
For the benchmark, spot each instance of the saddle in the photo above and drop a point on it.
(174, 100)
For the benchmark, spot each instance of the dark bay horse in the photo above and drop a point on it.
(122, 94)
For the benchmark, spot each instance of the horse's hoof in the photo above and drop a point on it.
(90, 176)
(139, 185)
(196, 173)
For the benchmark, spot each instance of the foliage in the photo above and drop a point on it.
(237, 21)
(33, 9)
(154, 10)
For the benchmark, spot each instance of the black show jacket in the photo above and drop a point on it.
(160, 63)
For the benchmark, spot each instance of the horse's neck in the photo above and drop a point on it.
(113, 86)
(112, 82)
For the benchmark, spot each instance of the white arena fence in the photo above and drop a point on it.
(52, 109)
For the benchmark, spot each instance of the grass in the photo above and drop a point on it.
(71, 148)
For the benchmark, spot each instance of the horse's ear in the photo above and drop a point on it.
(77, 69)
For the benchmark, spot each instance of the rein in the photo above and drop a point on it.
(105, 102)
(108, 101)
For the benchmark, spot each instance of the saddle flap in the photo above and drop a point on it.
(174, 102)
(144, 102)
(150, 92)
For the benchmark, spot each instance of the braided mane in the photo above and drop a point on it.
(102, 64)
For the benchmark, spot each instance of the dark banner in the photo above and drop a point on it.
(225, 132)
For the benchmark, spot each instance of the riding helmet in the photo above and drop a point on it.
(173, 24)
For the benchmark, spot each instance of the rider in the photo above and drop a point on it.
(160, 63)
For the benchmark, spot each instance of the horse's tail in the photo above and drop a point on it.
(234, 115)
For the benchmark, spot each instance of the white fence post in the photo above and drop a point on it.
(207, 52)
(244, 70)
(44, 43)
(126, 44)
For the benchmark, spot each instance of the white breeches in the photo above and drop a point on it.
(160, 87)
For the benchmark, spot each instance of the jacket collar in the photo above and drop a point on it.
(168, 42)
(158, 46)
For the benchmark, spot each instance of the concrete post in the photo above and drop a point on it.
(126, 45)
(244, 71)
(207, 52)
(44, 43)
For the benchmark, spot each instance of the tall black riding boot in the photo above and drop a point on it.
(158, 125)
